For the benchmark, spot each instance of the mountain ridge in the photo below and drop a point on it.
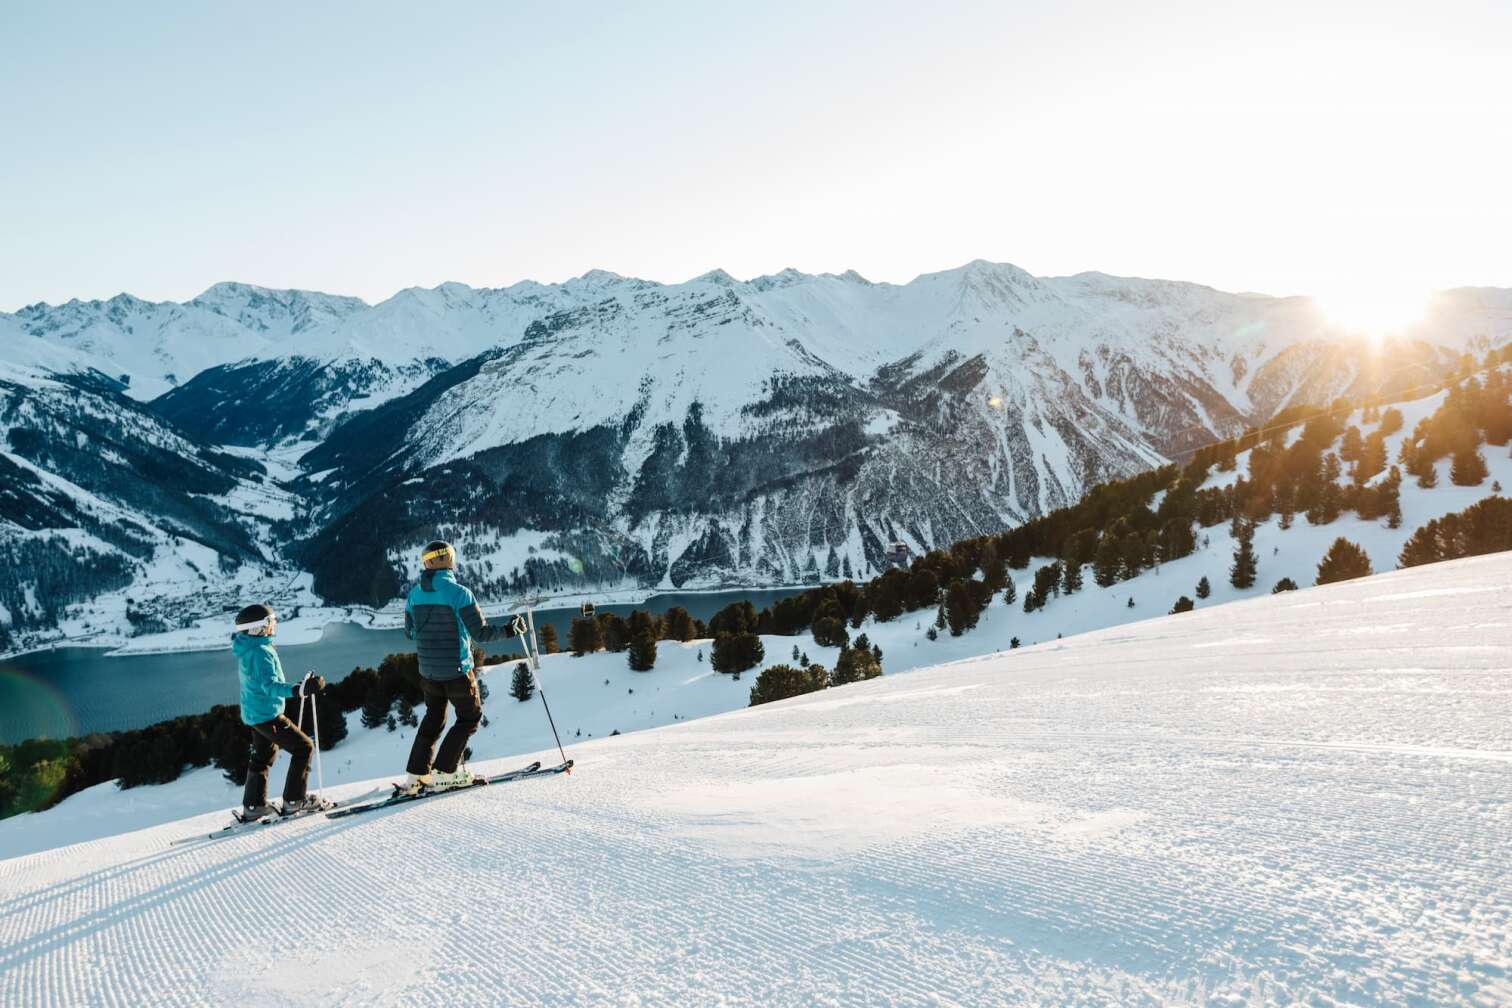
(616, 432)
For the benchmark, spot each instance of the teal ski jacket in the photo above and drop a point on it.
(443, 619)
(263, 689)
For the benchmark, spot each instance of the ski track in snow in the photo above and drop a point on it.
(1248, 804)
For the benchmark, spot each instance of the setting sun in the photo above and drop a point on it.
(1373, 309)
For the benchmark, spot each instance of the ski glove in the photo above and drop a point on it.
(314, 684)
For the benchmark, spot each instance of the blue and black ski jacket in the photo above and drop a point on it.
(443, 620)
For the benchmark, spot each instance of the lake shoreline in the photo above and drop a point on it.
(74, 690)
(309, 627)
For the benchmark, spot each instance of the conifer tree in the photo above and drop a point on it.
(375, 707)
(1106, 562)
(549, 644)
(995, 573)
(1010, 591)
(522, 685)
(736, 652)
(1350, 445)
(614, 631)
(829, 629)
(1071, 577)
(1468, 468)
(1284, 585)
(1204, 588)
(1343, 561)
(1242, 573)
(778, 682)
(678, 625)
(585, 636)
(961, 610)
(642, 651)
(855, 664)
(1183, 604)
(1132, 556)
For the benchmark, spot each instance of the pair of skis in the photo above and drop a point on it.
(248, 825)
(400, 797)
(364, 803)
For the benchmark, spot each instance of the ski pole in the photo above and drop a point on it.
(315, 725)
(535, 662)
(552, 722)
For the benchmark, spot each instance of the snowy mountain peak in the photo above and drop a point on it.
(599, 278)
(716, 276)
(275, 312)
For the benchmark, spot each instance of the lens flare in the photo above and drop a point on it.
(31, 707)
(1373, 310)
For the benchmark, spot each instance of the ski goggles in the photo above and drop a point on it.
(256, 624)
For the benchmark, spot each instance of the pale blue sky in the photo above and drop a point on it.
(361, 148)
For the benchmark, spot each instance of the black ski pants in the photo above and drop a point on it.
(267, 739)
(462, 694)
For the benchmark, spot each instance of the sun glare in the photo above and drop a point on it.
(1373, 310)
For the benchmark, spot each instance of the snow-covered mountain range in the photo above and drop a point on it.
(615, 431)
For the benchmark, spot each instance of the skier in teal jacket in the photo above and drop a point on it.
(264, 691)
(443, 619)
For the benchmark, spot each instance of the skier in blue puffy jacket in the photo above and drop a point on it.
(443, 619)
(263, 693)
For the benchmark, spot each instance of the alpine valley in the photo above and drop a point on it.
(161, 462)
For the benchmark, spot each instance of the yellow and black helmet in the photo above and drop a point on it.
(438, 555)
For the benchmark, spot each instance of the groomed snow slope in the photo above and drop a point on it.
(1300, 798)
